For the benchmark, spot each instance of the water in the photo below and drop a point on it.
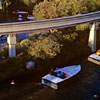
(84, 86)
(9, 17)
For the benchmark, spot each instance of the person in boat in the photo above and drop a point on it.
(52, 72)
(57, 73)
(60, 74)
(98, 52)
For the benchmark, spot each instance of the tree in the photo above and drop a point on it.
(52, 9)
(44, 48)
(57, 8)
(62, 8)
(78, 6)
(93, 5)
(44, 10)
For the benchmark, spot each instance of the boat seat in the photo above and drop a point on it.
(63, 75)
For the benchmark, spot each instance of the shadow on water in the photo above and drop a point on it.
(83, 86)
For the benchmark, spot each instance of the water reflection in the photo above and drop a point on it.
(10, 17)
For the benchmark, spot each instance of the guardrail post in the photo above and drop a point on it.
(11, 39)
(92, 36)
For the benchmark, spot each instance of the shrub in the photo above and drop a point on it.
(82, 27)
(70, 37)
(25, 42)
(4, 51)
(44, 48)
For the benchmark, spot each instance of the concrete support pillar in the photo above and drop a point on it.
(92, 36)
(11, 39)
(3, 6)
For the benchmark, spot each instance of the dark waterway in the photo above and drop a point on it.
(84, 86)
(9, 17)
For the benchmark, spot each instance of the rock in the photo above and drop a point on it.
(30, 65)
(95, 96)
(3, 57)
(30, 97)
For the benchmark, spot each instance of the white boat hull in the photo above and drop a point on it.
(94, 58)
(54, 81)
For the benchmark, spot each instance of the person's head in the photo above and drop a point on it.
(52, 69)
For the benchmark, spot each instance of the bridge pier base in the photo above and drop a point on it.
(11, 39)
(92, 36)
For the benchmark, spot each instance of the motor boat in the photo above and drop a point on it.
(58, 76)
(95, 57)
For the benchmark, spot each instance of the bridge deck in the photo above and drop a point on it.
(27, 26)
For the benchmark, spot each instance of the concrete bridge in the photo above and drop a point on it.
(28, 26)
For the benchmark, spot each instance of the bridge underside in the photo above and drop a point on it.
(91, 42)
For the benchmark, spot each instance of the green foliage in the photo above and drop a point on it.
(35, 35)
(70, 37)
(45, 10)
(25, 42)
(62, 8)
(44, 48)
(82, 27)
(10, 67)
(93, 5)
(4, 52)
(53, 9)
(32, 35)
(27, 2)
(78, 6)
